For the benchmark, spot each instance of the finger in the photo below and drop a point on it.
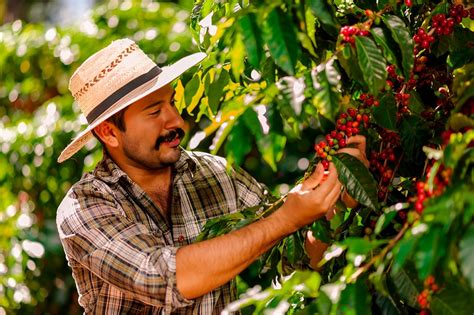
(356, 153)
(315, 178)
(331, 213)
(351, 151)
(333, 195)
(330, 181)
(358, 140)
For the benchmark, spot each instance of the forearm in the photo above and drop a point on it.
(204, 266)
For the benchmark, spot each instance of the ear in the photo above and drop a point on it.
(108, 134)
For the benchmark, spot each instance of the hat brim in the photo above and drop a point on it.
(168, 75)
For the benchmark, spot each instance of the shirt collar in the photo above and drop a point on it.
(110, 172)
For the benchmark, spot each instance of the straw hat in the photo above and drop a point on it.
(114, 78)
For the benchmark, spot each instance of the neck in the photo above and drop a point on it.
(146, 178)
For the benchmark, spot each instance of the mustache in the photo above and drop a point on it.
(178, 132)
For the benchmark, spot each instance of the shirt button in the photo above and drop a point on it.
(180, 238)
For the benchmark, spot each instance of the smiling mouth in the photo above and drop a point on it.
(172, 139)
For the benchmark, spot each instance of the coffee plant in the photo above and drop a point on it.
(401, 73)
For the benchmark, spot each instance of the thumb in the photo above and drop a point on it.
(315, 178)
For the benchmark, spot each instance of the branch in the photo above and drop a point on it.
(382, 254)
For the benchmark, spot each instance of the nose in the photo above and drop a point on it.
(173, 118)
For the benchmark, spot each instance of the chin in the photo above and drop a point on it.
(171, 157)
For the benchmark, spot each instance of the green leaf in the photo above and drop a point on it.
(454, 201)
(355, 299)
(193, 92)
(250, 118)
(403, 250)
(466, 255)
(372, 64)
(238, 143)
(360, 246)
(454, 299)
(237, 54)
(327, 92)
(434, 244)
(463, 83)
(402, 37)
(252, 39)
(385, 114)
(387, 305)
(326, 15)
(459, 121)
(348, 60)
(463, 170)
(441, 46)
(408, 287)
(294, 249)
(416, 103)
(280, 36)
(462, 47)
(456, 147)
(271, 147)
(216, 90)
(357, 180)
(414, 134)
(382, 38)
(389, 214)
(322, 230)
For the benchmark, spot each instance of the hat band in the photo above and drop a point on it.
(124, 90)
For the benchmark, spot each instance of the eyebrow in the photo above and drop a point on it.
(158, 102)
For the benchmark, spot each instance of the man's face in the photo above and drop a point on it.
(154, 130)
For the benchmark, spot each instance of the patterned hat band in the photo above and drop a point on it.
(121, 92)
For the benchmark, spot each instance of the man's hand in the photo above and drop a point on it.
(357, 151)
(311, 199)
(355, 146)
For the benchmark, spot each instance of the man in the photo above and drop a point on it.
(128, 227)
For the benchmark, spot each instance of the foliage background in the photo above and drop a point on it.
(280, 111)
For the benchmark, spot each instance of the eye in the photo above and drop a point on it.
(156, 112)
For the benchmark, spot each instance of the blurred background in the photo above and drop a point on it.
(41, 44)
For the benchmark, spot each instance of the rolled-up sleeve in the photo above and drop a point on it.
(96, 234)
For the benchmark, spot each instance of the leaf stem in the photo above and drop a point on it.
(382, 254)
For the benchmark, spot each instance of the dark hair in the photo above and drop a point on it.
(118, 120)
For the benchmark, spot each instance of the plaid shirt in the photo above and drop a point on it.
(120, 247)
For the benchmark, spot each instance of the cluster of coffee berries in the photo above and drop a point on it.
(396, 81)
(403, 100)
(348, 124)
(348, 34)
(442, 24)
(408, 3)
(422, 39)
(424, 297)
(368, 101)
(441, 180)
(382, 163)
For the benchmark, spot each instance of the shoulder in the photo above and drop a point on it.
(86, 200)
